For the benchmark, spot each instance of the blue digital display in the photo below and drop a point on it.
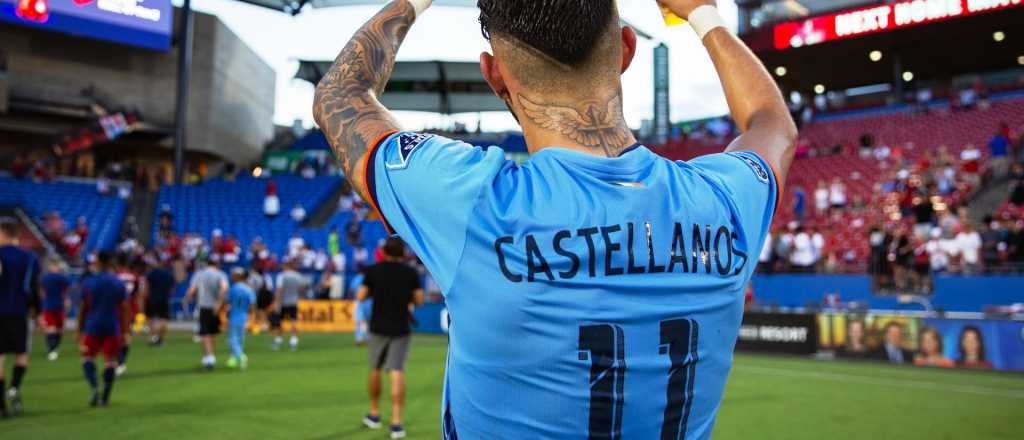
(142, 23)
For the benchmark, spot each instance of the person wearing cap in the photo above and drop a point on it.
(209, 286)
(241, 303)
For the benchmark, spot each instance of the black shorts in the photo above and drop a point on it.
(161, 310)
(287, 312)
(264, 299)
(13, 334)
(209, 322)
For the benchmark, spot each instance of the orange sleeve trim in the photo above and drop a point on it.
(371, 190)
(778, 188)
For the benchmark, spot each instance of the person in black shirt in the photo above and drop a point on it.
(19, 284)
(395, 289)
(159, 287)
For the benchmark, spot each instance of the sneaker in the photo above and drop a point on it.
(120, 370)
(397, 432)
(52, 356)
(372, 422)
(232, 362)
(14, 397)
(243, 362)
(94, 398)
(293, 343)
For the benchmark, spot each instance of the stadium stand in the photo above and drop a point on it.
(237, 207)
(914, 141)
(71, 200)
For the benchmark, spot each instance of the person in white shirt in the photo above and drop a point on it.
(821, 197)
(969, 243)
(298, 213)
(802, 257)
(817, 244)
(271, 205)
(837, 194)
(938, 255)
(764, 261)
(320, 263)
(295, 245)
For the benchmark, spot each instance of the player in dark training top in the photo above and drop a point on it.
(103, 326)
(595, 290)
(19, 281)
(55, 286)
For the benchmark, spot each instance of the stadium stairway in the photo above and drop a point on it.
(142, 209)
(989, 199)
(324, 215)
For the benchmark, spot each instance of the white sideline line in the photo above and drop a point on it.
(850, 378)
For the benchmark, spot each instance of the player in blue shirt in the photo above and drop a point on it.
(55, 286)
(19, 281)
(596, 291)
(103, 324)
(241, 301)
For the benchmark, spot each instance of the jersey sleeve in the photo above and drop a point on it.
(425, 188)
(749, 184)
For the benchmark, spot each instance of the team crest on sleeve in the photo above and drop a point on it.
(754, 165)
(407, 144)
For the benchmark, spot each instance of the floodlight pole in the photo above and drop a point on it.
(184, 71)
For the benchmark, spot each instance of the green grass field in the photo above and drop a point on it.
(317, 393)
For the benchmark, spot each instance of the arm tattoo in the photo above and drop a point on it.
(594, 123)
(346, 105)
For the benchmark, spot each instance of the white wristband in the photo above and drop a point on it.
(704, 19)
(420, 5)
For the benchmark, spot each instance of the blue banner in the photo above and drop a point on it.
(143, 23)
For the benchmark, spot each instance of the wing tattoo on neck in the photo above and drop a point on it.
(591, 123)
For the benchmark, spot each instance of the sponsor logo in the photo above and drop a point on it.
(755, 165)
(407, 144)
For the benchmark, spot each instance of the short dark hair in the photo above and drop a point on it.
(394, 247)
(565, 30)
(104, 258)
(8, 227)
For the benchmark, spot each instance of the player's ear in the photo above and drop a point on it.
(489, 67)
(628, 47)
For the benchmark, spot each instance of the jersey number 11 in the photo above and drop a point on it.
(604, 344)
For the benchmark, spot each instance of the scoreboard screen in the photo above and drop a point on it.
(142, 23)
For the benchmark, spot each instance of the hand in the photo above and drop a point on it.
(683, 8)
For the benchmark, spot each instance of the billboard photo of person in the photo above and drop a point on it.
(856, 341)
(972, 350)
(931, 355)
(892, 349)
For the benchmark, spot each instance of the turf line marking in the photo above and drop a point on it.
(851, 378)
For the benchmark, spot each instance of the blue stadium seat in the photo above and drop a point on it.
(103, 214)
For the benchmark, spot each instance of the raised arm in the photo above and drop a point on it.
(754, 100)
(346, 104)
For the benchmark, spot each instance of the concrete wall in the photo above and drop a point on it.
(231, 101)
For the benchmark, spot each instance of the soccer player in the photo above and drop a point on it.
(55, 286)
(210, 286)
(19, 282)
(158, 287)
(130, 280)
(241, 303)
(290, 285)
(597, 289)
(103, 324)
(395, 288)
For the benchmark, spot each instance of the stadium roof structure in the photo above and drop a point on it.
(443, 87)
(294, 7)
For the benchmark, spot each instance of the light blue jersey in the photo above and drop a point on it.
(240, 298)
(590, 298)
